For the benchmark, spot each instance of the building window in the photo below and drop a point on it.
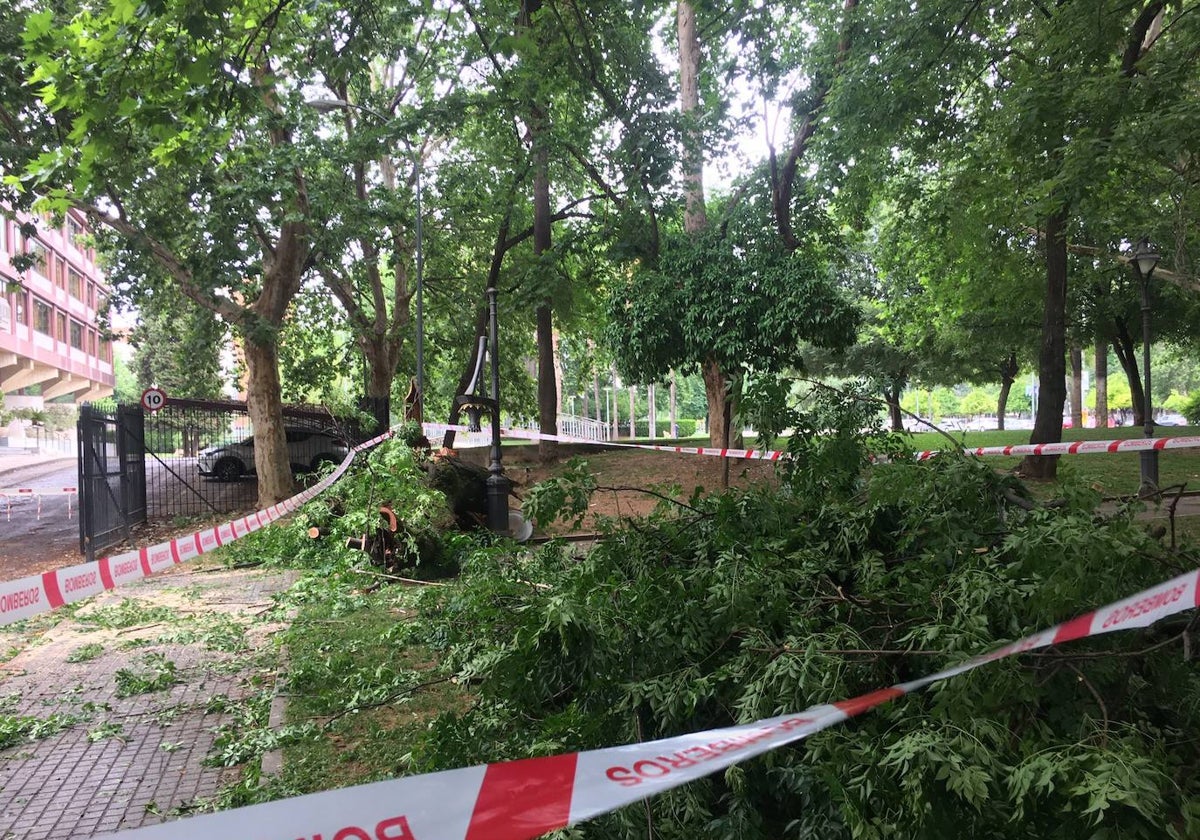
(19, 314)
(61, 335)
(41, 259)
(5, 316)
(76, 335)
(91, 348)
(75, 284)
(41, 316)
(76, 232)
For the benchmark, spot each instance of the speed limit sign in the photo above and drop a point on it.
(153, 399)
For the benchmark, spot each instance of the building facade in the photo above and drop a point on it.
(51, 348)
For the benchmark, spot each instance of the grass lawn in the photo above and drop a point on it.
(1114, 474)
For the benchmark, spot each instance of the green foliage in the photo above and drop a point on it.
(178, 348)
(17, 729)
(130, 612)
(848, 578)
(685, 426)
(1191, 409)
(248, 736)
(743, 303)
(86, 652)
(156, 673)
(386, 475)
(565, 496)
(105, 730)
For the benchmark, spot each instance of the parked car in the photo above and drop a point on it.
(308, 449)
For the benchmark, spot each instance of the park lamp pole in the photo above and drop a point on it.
(325, 106)
(1144, 259)
(498, 484)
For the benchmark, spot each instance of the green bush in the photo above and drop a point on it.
(685, 426)
(1191, 409)
(747, 604)
(389, 475)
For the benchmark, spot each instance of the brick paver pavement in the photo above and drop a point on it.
(131, 761)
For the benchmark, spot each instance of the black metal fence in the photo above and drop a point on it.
(200, 454)
(112, 475)
(191, 458)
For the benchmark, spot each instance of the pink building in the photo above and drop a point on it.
(49, 335)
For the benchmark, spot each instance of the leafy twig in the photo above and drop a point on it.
(385, 701)
(1099, 701)
(396, 578)
(665, 498)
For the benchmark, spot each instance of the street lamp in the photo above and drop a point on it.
(325, 106)
(1144, 259)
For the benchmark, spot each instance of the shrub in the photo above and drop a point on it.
(1191, 409)
(685, 426)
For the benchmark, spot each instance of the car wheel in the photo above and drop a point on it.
(228, 469)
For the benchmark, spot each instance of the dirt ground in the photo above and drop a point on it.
(623, 473)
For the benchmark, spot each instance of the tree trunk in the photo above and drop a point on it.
(381, 364)
(651, 412)
(1008, 375)
(1126, 349)
(558, 374)
(695, 216)
(265, 407)
(547, 392)
(891, 396)
(633, 411)
(546, 388)
(1076, 387)
(720, 407)
(1052, 368)
(614, 412)
(596, 395)
(674, 409)
(1101, 383)
(481, 327)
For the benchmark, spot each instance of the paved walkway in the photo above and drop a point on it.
(128, 761)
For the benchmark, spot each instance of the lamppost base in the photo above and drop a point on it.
(1149, 473)
(498, 487)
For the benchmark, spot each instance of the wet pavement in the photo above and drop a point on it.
(128, 754)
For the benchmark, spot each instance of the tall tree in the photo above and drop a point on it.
(179, 141)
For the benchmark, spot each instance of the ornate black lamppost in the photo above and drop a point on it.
(1144, 259)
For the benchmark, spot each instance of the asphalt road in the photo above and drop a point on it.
(30, 543)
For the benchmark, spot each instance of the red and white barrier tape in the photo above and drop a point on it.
(524, 434)
(30, 596)
(1079, 447)
(527, 798)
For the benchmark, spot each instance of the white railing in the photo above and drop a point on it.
(569, 426)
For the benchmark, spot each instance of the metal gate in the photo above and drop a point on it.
(112, 474)
(134, 467)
